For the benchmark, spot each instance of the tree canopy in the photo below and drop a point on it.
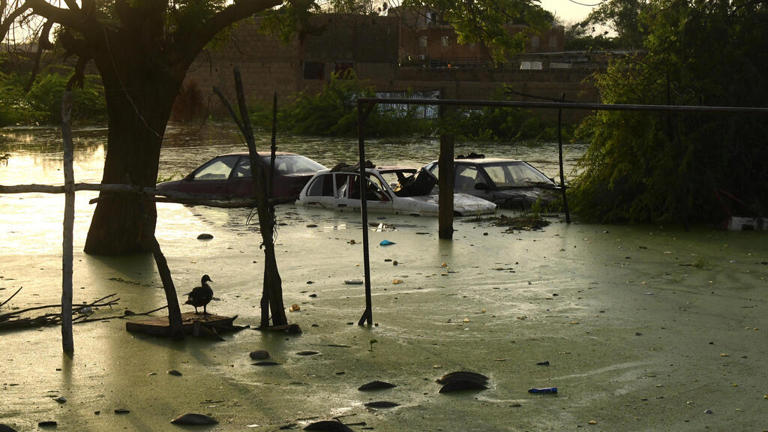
(682, 167)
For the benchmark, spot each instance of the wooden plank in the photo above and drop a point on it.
(189, 320)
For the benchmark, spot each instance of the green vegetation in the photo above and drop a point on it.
(42, 103)
(333, 112)
(686, 168)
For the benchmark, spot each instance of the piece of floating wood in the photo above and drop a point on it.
(192, 324)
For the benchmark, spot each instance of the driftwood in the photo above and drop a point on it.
(15, 320)
(12, 296)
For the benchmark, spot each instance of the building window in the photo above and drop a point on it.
(314, 70)
(535, 42)
(444, 41)
(422, 41)
(431, 18)
(552, 42)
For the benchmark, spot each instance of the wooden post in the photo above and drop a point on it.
(445, 167)
(560, 151)
(67, 340)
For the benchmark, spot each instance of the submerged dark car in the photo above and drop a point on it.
(228, 177)
(510, 183)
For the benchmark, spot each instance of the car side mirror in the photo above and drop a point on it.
(481, 186)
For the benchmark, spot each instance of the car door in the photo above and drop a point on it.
(321, 191)
(378, 198)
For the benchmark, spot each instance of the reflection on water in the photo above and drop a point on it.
(36, 157)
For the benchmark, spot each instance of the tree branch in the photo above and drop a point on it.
(6, 25)
(237, 11)
(65, 17)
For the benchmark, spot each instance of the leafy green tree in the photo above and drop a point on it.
(654, 167)
(623, 17)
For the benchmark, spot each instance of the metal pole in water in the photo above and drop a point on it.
(560, 150)
(368, 314)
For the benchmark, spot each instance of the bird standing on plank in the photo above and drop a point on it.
(201, 296)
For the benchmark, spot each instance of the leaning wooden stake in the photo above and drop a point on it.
(67, 340)
(272, 289)
(174, 311)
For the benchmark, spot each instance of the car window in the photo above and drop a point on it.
(295, 164)
(321, 186)
(466, 178)
(434, 170)
(348, 186)
(217, 169)
(284, 165)
(510, 174)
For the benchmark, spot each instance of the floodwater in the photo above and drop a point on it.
(644, 327)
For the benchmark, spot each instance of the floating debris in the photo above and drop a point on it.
(307, 353)
(47, 423)
(174, 372)
(386, 243)
(6, 428)
(543, 390)
(205, 236)
(266, 363)
(192, 419)
(295, 308)
(462, 381)
(122, 411)
(328, 426)
(543, 363)
(376, 385)
(259, 355)
(353, 282)
(381, 404)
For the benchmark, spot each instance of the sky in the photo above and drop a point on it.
(569, 11)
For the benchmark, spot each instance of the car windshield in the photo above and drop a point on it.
(216, 169)
(284, 165)
(514, 174)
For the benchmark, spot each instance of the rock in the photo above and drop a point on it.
(122, 411)
(381, 404)
(543, 363)
(463, 375)
(376, 385)
(266, 363)
(458, 385)
(328, 426)
(313, 295)
(259, 355)
(205, 236)
(6, 428)
(174, 372)
(311, 225)
(307, 353)
(47, 423)
(61, 399)
(192, 419)
(353, 282)
(295, 308)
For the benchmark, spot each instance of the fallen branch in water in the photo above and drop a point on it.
(9, 298)
(117, 316)
(14, 320)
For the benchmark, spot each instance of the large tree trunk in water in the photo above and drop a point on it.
(139, 104)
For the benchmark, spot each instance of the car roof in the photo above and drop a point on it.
(264, 153)
(486, 160)
(391, 168)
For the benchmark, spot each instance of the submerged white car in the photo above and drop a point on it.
(395, 190)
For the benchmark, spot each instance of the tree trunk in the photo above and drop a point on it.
(139, 104)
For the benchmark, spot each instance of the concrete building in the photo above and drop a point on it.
(395, 54)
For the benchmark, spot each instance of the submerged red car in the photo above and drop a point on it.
(228, 177)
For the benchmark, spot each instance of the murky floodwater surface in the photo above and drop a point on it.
(644, 327)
